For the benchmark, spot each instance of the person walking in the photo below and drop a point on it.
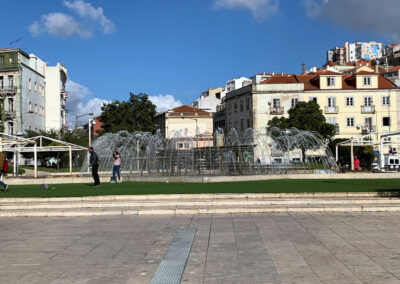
(94, 163)
(116, 167)
(3, 169)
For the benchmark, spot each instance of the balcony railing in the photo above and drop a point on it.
(332, 109)
(10, 115)
(276, 110)
(368, 109)
(8, 89)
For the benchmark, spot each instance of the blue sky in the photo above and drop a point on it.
(182, 47)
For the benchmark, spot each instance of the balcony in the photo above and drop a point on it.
(8, 89)
(276, 110)
(367, 109)
(331, 110)
(10, 115)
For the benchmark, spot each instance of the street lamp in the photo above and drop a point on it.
(90, 124)
(79, 116)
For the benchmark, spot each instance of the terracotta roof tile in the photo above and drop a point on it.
(281, 79)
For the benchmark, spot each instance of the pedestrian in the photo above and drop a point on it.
(356, 164)
(3, 169)
(116, 167)
(94, 163)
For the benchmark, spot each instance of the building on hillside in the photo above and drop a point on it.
(55, 97)
(393, 75)
(25, 91)
(351, 52)
(209, 100)
(358, 103)
(191, 127)
(237, 83)
(391, 55)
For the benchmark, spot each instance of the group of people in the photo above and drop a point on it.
(94, 164)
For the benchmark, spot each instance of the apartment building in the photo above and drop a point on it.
(209, 99)
(352, 52)
(356, 103)
(29, 98)
(191, 127)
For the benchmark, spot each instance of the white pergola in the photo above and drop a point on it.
(17, 145)
(366, 140)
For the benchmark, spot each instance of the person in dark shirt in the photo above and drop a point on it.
(94, 163)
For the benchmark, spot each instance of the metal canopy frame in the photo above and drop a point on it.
(359, 141)
(17, 145)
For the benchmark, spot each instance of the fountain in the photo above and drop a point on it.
(276, 151)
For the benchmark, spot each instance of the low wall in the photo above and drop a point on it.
(204, 179)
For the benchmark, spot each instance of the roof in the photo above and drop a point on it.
(312, 83)
(186, 110)
(394, 69)
(281, 79)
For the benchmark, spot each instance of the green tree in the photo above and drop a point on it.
(136, 114)
(305, 116)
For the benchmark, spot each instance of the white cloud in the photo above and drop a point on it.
(80, 102)
(86, 10)
(64, 25)
(261, 9)
(164, 102)
(374, 16)
(58, 24)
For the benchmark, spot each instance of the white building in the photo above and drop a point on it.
(56, 97)
(237, 83)
(23, 89)
(209, 100)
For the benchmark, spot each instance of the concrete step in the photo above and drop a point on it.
(175, 205)
(77, 212)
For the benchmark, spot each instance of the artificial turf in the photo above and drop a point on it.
(267, 186)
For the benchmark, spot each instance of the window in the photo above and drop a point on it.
(11, 128)
(235, 107)
(314, 99)
(229, 108)
(1, 82)
(1, 61)
(350, 122)
(241, 124)
(30, 106)
(331, 81)
(368, 101)
(276, 103)
(35, 87)
(386, 100)
(349, 101)
(187, 145)
(331, 120)
(367, 81)
(180, 145)
(331, 102)
(241, 105)
(368, 124)
(11, 80)
(386, 121)
(35, 108)
(30, 85)
(10, 104)
(294, 102)
(248, 123)
(247, 103)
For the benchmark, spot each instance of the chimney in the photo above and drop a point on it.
(376, 69)
(304, 68)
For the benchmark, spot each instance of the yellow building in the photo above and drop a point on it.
(191, 127)
(359, 103)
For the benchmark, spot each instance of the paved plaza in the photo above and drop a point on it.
(243, 248)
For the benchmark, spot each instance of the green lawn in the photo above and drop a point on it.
(273, 186)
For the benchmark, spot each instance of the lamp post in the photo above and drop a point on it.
(79, 116)
(91, 122)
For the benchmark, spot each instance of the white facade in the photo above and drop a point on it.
(207, 103)
(56, 97)
(237, 83)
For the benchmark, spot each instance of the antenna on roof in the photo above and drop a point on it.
(14, 43)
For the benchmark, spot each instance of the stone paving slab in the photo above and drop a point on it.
(234, 248)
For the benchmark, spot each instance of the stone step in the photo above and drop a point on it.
(197, 203)
(167, 208)
(198, 196)
(193, 211)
